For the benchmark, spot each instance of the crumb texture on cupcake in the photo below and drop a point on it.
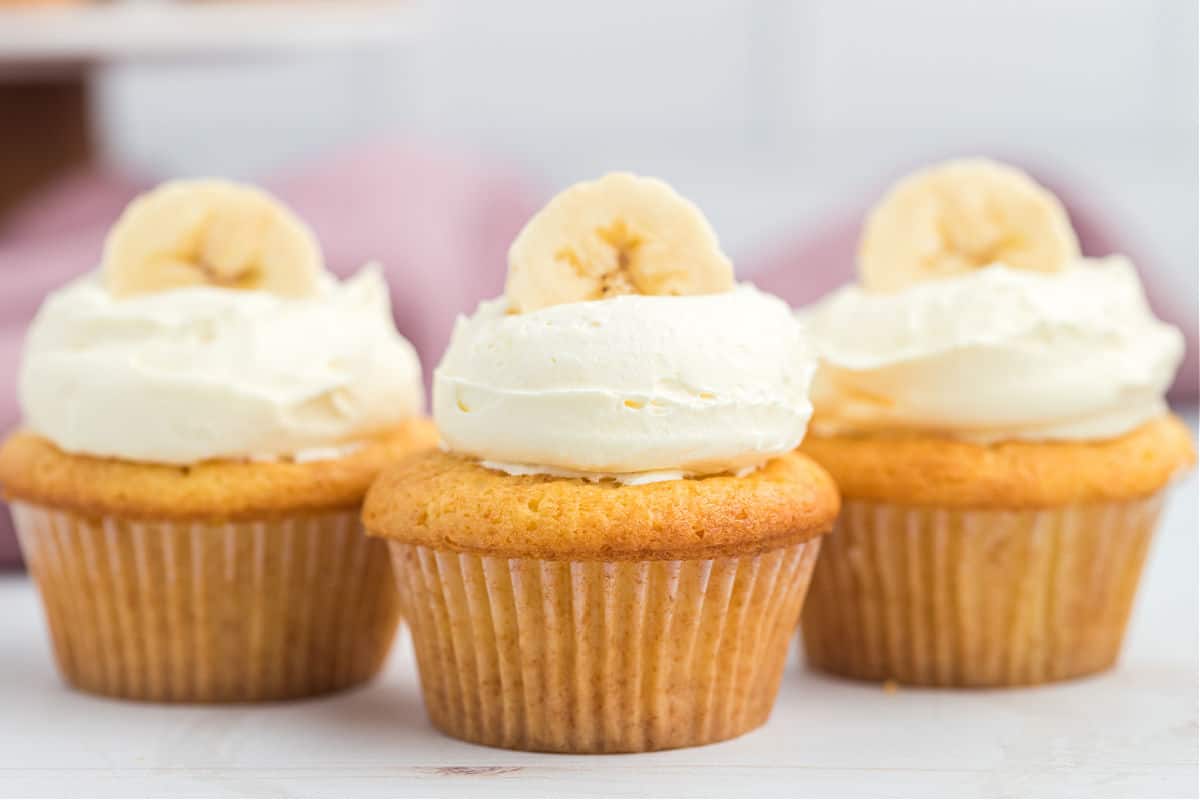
(449, 502)
(33, 470)
(921, 469)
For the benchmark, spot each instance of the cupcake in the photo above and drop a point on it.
(611, 550)
(203, 415)
(990, 404)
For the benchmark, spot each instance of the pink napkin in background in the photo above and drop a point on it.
(440, 225)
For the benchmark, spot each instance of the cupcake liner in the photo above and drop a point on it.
(942, 597)
(600, 657)
(211, 612)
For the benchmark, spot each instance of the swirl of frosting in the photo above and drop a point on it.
(995, 354)
(193, 374)
(638, 388)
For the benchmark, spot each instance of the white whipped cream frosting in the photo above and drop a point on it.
(995, 354)
(193, 374)
(633, 388)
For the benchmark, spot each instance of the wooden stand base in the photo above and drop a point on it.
(44, 130)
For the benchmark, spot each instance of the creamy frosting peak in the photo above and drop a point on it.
(202, 373)
(996, 353)
(635, 387)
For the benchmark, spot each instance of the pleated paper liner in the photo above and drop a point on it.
(600, 657)
(976, 598)
(208, 612)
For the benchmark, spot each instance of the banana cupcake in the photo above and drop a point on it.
(990, 404)
(611, 552)
(203, 415)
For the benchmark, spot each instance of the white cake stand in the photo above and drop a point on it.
(48, 49)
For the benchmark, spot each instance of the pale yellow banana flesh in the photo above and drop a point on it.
(210, 233)
(621, 234)
(960, 216)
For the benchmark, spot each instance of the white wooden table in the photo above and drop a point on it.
(1131, 732)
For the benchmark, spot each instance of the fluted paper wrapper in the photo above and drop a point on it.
(600, 657)
(941, 597)
(211, 612)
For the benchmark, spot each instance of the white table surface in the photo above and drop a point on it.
(1131, 732)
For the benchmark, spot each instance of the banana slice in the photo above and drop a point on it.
(959, 216)
(210, 233)
(621, 234)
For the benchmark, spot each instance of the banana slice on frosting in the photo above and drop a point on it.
(960, 216)
(621, 234)
(210, 233)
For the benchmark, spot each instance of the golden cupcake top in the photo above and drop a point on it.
(450, 503)
(919, 469)
(33, 470)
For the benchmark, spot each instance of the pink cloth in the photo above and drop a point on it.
(439, 223)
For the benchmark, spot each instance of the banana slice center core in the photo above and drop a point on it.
(974, 245)
(225, 253)
(612, 260)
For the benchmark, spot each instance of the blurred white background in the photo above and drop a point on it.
(771, 114)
